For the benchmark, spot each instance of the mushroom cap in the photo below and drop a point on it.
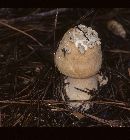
(78, 89)
(75, 59)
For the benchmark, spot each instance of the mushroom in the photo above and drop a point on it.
(79, 58)
(116, 28)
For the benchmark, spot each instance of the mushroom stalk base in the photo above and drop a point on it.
(79, 89)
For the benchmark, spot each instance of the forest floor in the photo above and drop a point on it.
(31, 85)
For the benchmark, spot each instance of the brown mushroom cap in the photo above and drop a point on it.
(73, 63)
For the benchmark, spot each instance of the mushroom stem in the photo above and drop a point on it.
(79, 89)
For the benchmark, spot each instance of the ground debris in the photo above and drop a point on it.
(31, 87)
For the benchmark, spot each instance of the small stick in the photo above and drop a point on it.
(112, 123)
(18, 30)
(55, 25)
(118, 51)
(38, 16)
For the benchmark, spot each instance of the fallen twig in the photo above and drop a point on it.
(38, 16)
(112, 123)
(118, 51)
(18, 30)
